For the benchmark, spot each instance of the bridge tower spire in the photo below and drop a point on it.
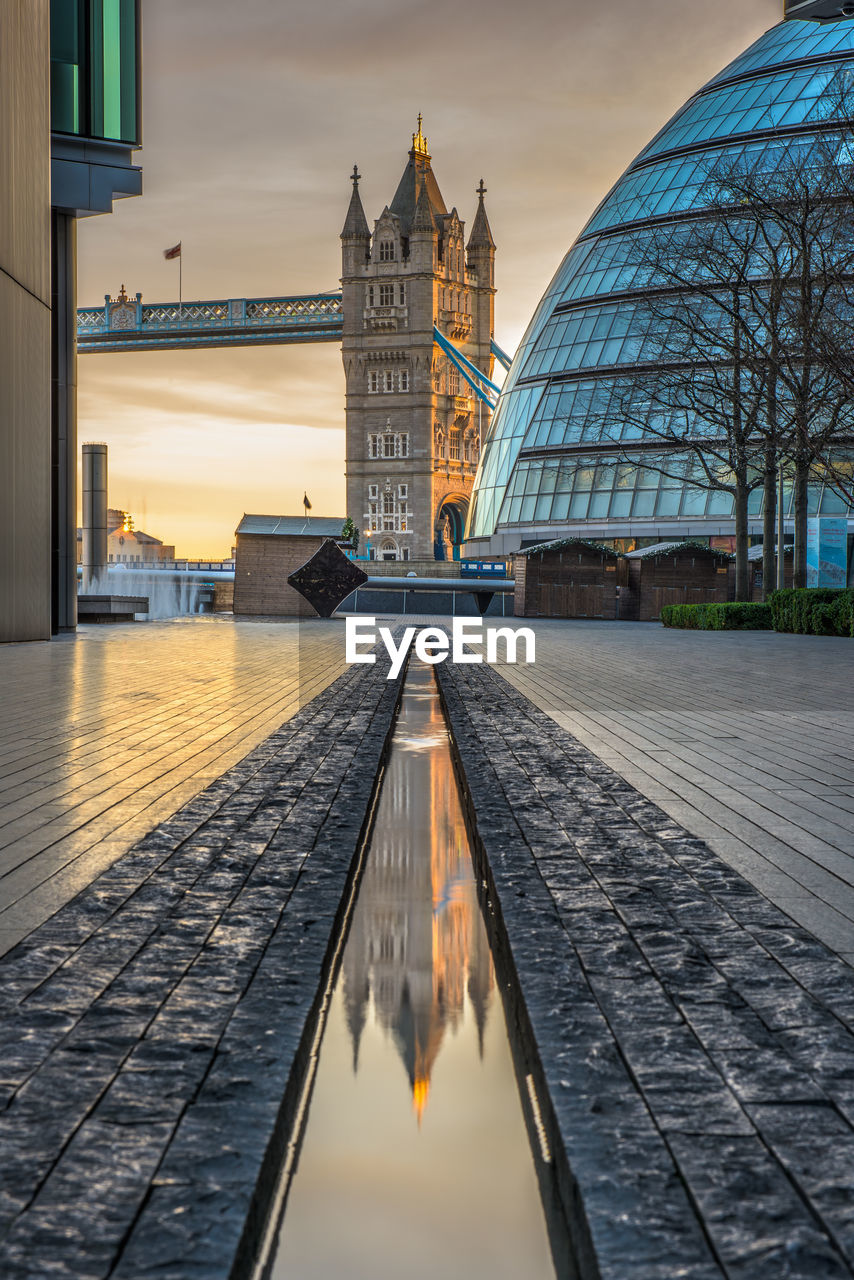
(413, 426)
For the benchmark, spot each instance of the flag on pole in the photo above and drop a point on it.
(174, 252)
(305, 502)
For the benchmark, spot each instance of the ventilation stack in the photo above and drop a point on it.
(94, 517)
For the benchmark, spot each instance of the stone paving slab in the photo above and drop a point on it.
(154, 1031)
(106, 733)
(696, 1046)
(744, 738)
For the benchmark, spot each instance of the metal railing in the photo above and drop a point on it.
(125, 323)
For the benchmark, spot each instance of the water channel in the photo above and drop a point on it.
(415, 1157)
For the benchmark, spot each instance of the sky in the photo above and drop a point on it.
(253, 116)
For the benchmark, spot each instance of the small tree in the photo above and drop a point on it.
(350, 532)
(695, 407)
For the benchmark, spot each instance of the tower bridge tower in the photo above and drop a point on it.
(414, 426)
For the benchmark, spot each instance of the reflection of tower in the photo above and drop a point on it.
(417, 942)
(413, 424)
(480, 980)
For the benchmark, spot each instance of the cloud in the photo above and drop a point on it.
(253, 117)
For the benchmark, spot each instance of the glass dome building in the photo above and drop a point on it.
(549, 469)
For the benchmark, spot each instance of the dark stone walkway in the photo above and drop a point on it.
(697, 1046)
(150, 1030)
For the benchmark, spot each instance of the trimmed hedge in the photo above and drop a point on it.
(814, 611)
(718, 617)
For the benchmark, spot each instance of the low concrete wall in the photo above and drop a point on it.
(460, 604)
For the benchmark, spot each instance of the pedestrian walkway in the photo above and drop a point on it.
(105, 733)
(690, 1046)
(744, 738)
(694, 1047)
(155, 1034)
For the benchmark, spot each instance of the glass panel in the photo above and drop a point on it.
(668, 502)
(621, 503)
(66, 43)
(560, 510)
(644, 502)
(720, 504)
(94, 68)
(578, 506)
(694, 502)
(832, 504)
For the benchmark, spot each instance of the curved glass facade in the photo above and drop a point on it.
(541, 474)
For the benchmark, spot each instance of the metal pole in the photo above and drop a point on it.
(64, 421)
(781, 566)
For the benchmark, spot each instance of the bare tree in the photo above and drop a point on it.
(745, 334)
(800, 293)
(696, 405)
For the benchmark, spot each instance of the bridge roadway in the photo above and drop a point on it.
(127, 324)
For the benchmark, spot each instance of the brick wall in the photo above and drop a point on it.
(261, 570)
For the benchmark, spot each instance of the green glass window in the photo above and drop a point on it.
(94, 63)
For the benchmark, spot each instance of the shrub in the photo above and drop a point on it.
(718, 617)
(814, 611)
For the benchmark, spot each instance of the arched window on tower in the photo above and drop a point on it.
(387, 251)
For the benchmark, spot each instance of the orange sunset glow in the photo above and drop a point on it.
(253, 117)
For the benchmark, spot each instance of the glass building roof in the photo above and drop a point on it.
(588, 332)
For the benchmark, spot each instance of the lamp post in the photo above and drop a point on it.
(781, 569)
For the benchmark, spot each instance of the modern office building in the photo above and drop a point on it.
(413, 422)
(69, 121)
(551, 462)
(95, 118)
(24, 321)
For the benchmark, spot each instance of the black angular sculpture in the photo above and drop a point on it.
(327, 578)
